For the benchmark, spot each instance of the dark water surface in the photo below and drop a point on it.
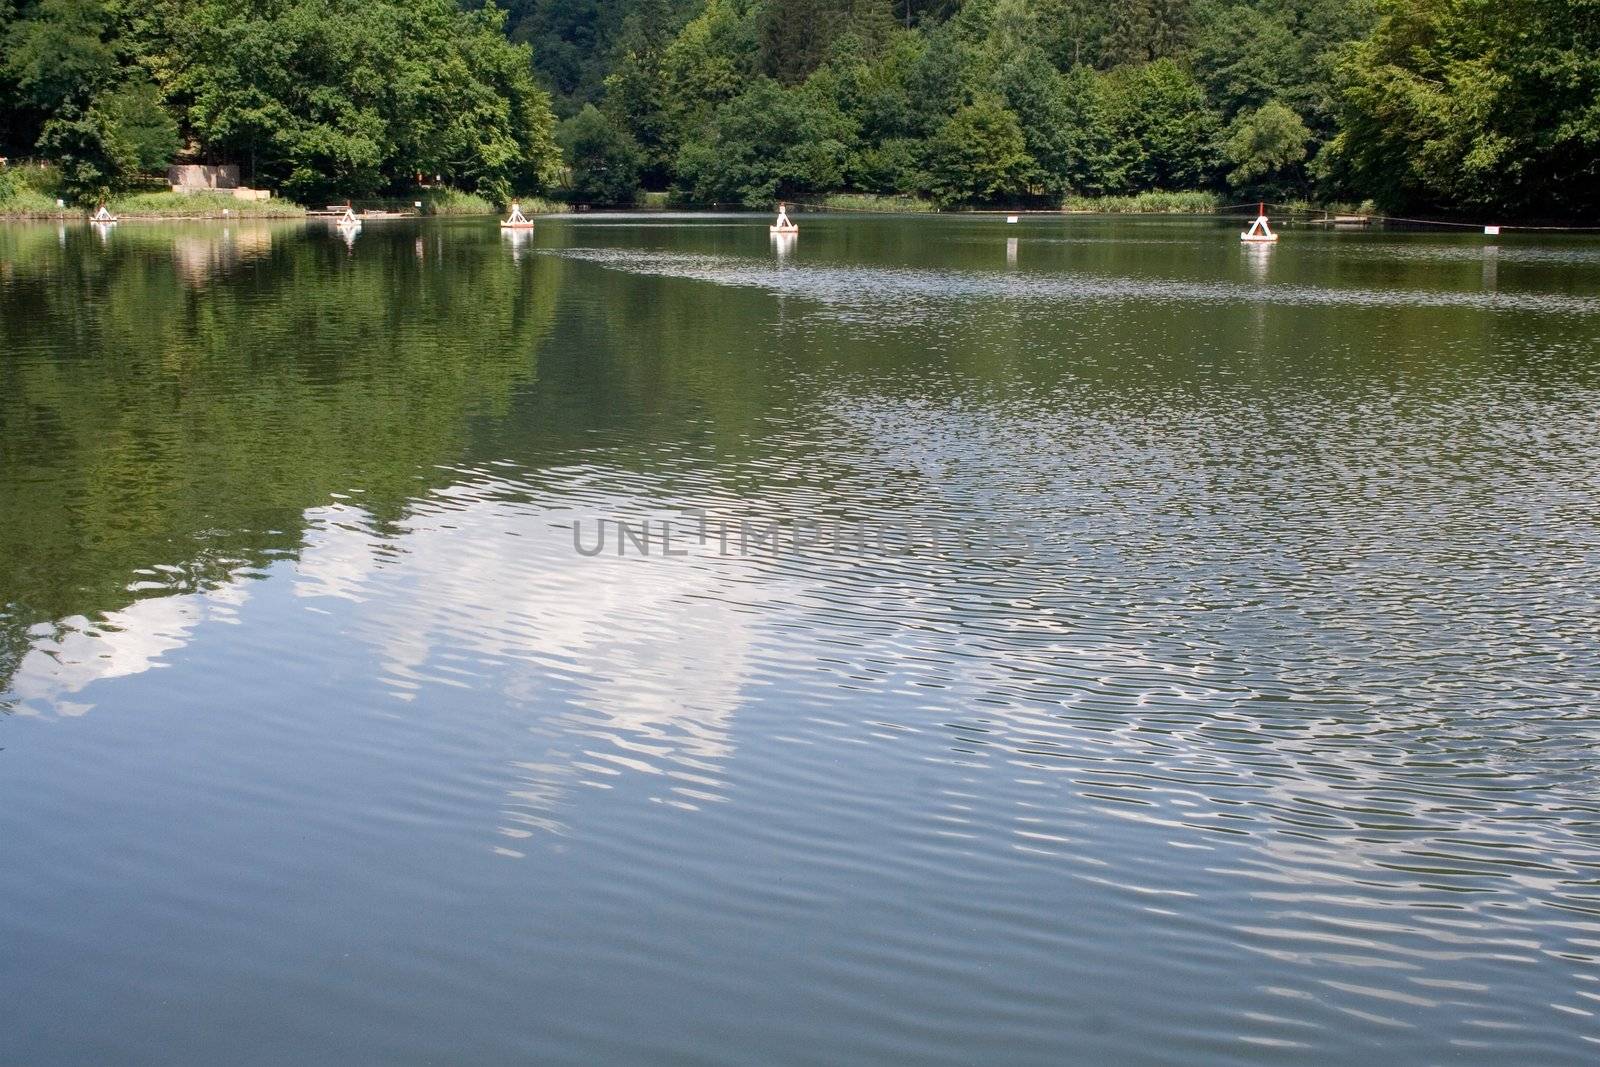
(1252, 717)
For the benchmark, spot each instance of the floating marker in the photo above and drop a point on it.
(103, 215)
(1259, 232)
(783, 225)
(1012, 218)
(517, 221)
(1491, 231)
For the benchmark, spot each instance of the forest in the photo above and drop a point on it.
(1445, 107)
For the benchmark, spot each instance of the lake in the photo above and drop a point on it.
(928, 639)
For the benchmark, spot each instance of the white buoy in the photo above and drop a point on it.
(1012, 218)
(103, 215)
(783, 225)
(1491, 231)
(349, 218)
(1259, 232)
(517, 221)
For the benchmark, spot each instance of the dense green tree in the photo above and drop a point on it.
(798, 35)
(1145, 30)
(140, 119)
(1166, 131)
(1265, 147)
(1475, 105)
(635, 91)
(706, 66)
(103, 122)
(329, 97)
(766, 144)
(1072, 32)
(1243, 56)
(58, 52)
(571, 42)
(1063, 123)
(979, 156)
(1438, 105)
(1090, 161)
(940, 76)
(84, 143)
(604, 160)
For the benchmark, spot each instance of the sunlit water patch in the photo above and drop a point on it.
(876, 293)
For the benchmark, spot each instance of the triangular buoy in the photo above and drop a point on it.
(783, 225)
(1259, 232)
(349, 218)
(517, 220)
(103, 215)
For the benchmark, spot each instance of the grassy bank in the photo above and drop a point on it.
(1155, 202)
(874, 202)
(456, 202)
(170, 205)
(31, 204)
(29, 191)
(538, 205)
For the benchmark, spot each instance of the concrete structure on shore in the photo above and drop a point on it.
(195, 177)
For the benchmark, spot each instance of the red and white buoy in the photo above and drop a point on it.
(1259, 232)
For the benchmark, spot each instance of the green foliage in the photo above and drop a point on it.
(635, 94)
(167, 204)
(1063, 123)
(141, 120)
(886, 167)
(798, 35)
(765, 144)
(95, 161)
(1089, 158)
(1485, 106)
(572, 41)
(1166, 133)
(979, 156)
(1263, 144)
(1154, 202)
(1243, 56)
(1427, 105)
(445, 201)
(899, 205)
(339, 97)
(322, 98)
(706, 66)
(605, 161)
(1145, 30)
(58, 52)
(20, 195)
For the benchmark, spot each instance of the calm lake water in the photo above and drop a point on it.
(1169, 652)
